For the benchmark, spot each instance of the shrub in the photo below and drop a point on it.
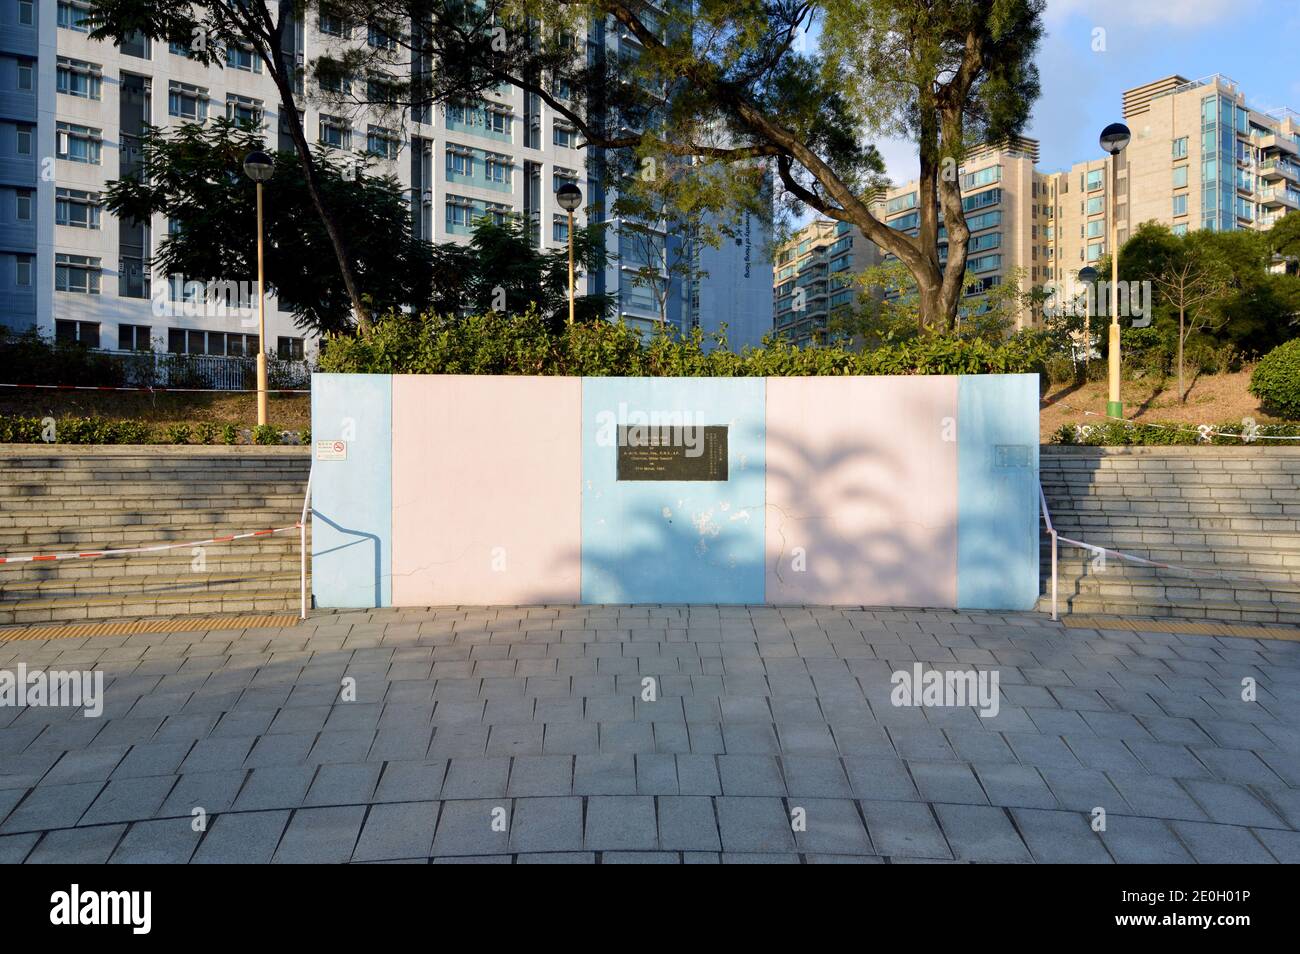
(230, 434)
(265, 434)
(504, 344)
(205, 432)
(1118, 434)
(304, 436)
(1276, 380)
(177, 433)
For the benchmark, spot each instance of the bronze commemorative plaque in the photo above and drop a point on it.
(672, 453)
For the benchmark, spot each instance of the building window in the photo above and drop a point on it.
(77, 332)
(1097, 228)
(243, 58)
(1180, 204)
(79, 78)
(335, 132)
(1096, 250)
(982, 177)
(24, 204)
(1180, 148)
(1180, 228)
(1096, 204)
(565, 136)
(76, 273)
(77, 143)
(136, 44)
(460, 161)
(379, 39)
(27, 12)
(333, 25)
(499, 121)
(288, 349)
(244, 110)
(1096, 179)
(133, 338)
(23, 274)
(496, 168)
(24, 140)
(72, 15)
(382, 142)
(1180, 177)
(25, 76)
(560, 228)
(187, 101)
(76, 209)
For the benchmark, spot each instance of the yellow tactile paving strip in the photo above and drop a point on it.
(175, 625)
(1181, 626)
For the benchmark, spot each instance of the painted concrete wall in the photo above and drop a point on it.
(352, 499)
(485, 471)
(672, 541)
(862, 490)
(898, 491)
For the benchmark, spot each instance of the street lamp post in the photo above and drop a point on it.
(259, 167)
(1114, 138)
(569, 197)
(1088, 276)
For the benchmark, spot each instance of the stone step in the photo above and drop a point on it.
(22, 541)
(195, 486)
(164, 515)
(1243, 612)
(256, 555)
(67, 609)
(1126, 538)
(151, 585)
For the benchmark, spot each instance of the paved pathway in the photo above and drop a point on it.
(522, 734)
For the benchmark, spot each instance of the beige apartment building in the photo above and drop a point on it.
(1201, 157)
(813, 275)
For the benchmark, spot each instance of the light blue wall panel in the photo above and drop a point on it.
(352, 499)
(997, 491)
(673, 541)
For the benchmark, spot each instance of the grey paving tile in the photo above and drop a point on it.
(51, 806)
(947, 782)
(343, 784)
(904, 829)
(604, 774)
(1014, 786)
(698, 775)
(1056, 837)
(1155, 797)
(883, 778)
(411, 781)
(77, 846)
(750, 775)
(275, 787)
(688, 823)
(213, 792)
(830, 826)
(320, 835)
(982, 834)
(14, 848)
(1143, 841)
(477, 778)
(1231, 804)
(1222, 844)
(1284, 845)
(129, 799)
(754, 825)
(626, 823)
(168, 841)
(241, 838)
(547, 825)
(473, 827)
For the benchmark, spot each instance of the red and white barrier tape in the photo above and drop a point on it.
(1205, 432)
(93, 554)
(1133, 558)
(159, 390)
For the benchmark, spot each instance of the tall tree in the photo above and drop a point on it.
(211, 28)
(1192, 283)
(192, 175)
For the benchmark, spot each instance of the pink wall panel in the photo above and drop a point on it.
(862, 481)
(486, 489)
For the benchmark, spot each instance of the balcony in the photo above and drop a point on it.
(1283, 144)
(1274, 169)
(1280, 197)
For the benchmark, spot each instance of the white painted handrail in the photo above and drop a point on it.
(302, 541)
(1051, 531)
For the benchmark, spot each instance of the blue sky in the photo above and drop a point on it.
(1256, 42)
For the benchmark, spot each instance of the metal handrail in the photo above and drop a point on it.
(1047, 520)
(302, 541)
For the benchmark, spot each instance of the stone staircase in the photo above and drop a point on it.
(67, 498)
(1233, 511)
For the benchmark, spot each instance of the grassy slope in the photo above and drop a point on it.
(285, 411)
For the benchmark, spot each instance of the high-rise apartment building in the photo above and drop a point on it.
(813, 274)
(72, 111)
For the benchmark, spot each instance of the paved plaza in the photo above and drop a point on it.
(649, 734)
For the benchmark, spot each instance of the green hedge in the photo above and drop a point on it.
(97, 430)
(1276, 380)
(1115, 434)
(501, 344)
